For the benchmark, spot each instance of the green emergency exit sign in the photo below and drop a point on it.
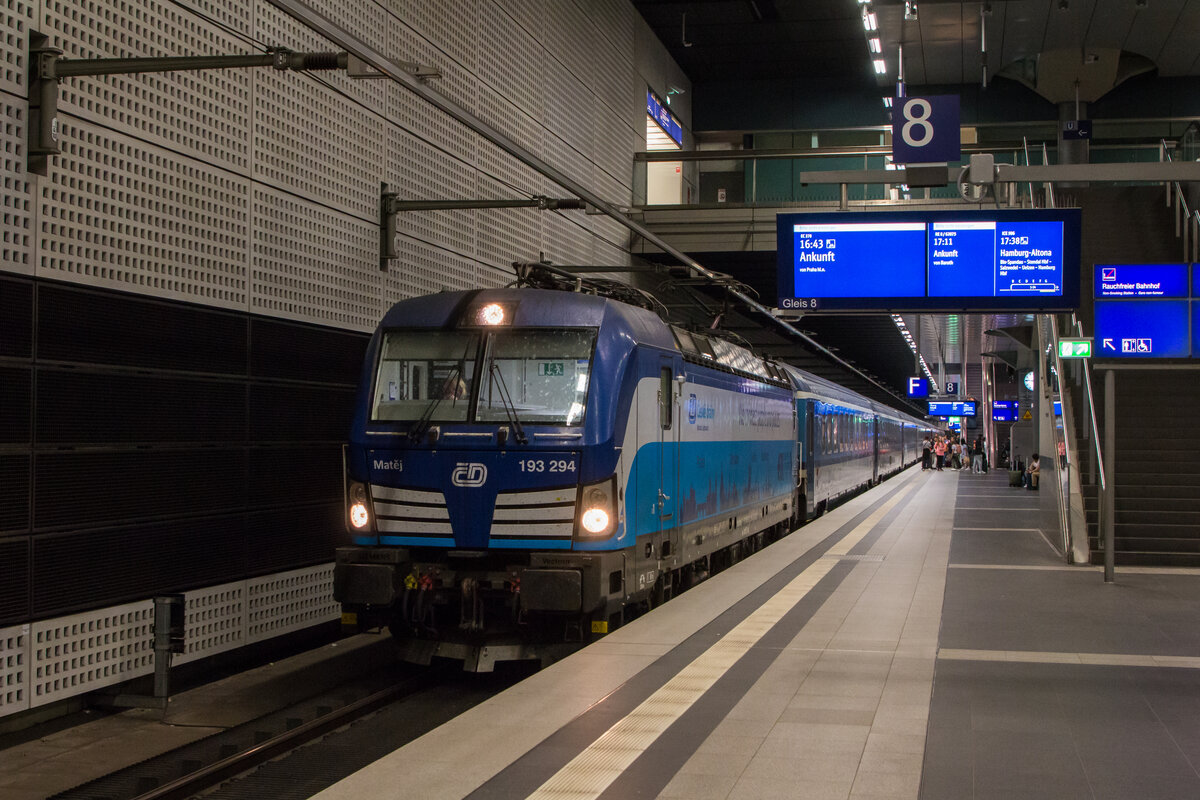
(1074, 348)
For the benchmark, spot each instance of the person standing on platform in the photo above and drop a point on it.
(926, 453)
(977, 456)
(939, 450)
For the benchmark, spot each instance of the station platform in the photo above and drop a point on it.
(924, 640)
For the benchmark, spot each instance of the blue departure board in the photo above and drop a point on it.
(934, 260)
(947, 408)
(1144, 311)
(1004, 410)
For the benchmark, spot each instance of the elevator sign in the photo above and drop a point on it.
(926, 129)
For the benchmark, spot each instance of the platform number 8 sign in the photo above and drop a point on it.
(926, 130)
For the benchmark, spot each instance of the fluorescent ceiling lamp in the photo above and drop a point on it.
(870, 22)
(887, 102)
(880, 66)
(876, 47)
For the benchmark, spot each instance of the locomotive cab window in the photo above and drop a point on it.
(425, 372)
(536, 376)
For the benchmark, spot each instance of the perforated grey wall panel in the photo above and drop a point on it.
(422, 269)
(205, 113)
(121, 213)
(516, 61)
(16, 241)
(418, 170)
(57, 658)
(16, 16)
(311, 139)
(312, 263)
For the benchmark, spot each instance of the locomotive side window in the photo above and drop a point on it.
(540, 376)
(424, 370)
(664, 398)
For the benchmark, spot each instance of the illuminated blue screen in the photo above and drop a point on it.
(956, 408)
(1141, 280)
(960, 260)
(1142, 329)
(1004, 410)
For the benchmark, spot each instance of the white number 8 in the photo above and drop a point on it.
(921, 121)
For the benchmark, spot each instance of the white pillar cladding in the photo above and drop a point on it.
(257, 191)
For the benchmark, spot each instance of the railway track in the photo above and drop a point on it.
(296, 752)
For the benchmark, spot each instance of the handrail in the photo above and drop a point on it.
(1062, 438)
(1091, 398)
(1049, 185)
(1187, 221)
(1025, 146)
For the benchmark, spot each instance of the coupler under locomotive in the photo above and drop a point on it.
(479, 607)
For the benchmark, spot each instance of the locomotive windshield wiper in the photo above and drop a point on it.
(449, 390)
(510, 409)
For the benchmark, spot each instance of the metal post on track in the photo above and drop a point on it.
(1110, 460)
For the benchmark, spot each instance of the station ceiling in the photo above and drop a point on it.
(1045, 44)
(723, 40)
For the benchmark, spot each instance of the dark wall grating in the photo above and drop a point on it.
(71, 571)
(299, 352)
(95, 327)
(16, 318)
(138, 484)
(14, 588)
(305, 534)
(161, 459)
(280, 475)
(76, 407)
(14, 495)
(15, 402)
(292, 412)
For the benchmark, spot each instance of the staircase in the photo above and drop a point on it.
(1157, 465)
(1157, 475)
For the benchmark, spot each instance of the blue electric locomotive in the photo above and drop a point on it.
(525, 465)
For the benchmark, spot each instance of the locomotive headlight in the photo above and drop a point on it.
(597, 509)
(492, 314)
(360, 515)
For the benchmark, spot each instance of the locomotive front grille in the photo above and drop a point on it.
(411, 511)
(545, 514)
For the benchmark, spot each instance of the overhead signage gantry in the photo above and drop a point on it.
(998, 260)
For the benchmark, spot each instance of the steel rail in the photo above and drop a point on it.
(219, 771)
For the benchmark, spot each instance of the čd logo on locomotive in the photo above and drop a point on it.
(468, 474)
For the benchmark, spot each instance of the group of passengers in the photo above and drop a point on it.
(953, 450)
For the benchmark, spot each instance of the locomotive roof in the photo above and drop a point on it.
(541, 308)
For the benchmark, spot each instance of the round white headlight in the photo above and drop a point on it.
(359, 516)
(492, 314)
(595, 520)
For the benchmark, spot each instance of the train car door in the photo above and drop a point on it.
(668, 431)
(876, 432)
(808, 459)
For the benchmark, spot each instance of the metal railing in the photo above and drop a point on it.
(1187, 220)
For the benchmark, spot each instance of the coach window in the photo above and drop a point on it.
(664, 397)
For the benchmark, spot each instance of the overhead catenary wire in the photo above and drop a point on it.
(373, 58)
